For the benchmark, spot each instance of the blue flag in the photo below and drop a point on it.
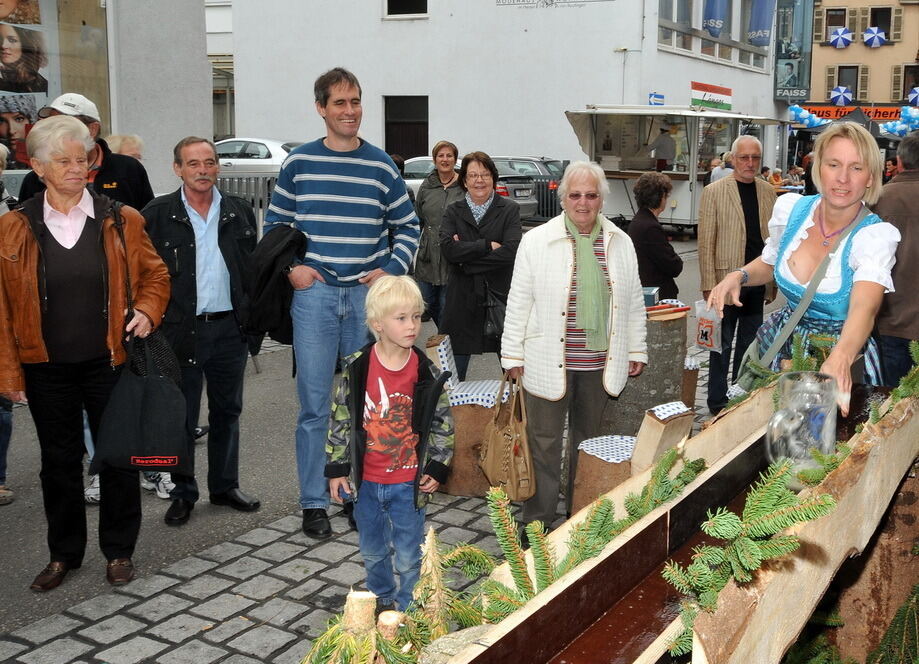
(759, 32)
(713, 16)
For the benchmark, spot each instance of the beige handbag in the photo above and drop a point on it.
(505, 458)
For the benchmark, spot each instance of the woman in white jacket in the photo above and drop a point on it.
(574, 330)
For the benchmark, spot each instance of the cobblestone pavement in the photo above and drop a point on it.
(261, 597)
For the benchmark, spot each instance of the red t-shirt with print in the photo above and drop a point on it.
(391, 457)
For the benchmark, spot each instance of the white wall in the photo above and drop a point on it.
(160, 78)
(498, 78)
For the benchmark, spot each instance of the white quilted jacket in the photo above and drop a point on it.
(537, 308)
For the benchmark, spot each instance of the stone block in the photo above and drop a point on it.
(313, 624)
(225, 552)
(454, 535)
(332, 552)
(298, 569)
(294, 654)
(278, 551)
(278, 612)
(111, 629)
(223, 606)
(204, 586)
(101, 606)
(160, 607)
(287, 524)
(61, 650)
(259, 536)
(228, 629)
(261, 587)
(42, 631)
(453, 517)
(8, 650)
(306, 590)
(244, 567)
(242, 659)
(189, 567)
(180, 627)
(331, 599)
(347, 574)
(148, 586)
(138, 649)
(193, 652)
(262, 641)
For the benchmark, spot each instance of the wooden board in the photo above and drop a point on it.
(758, 622)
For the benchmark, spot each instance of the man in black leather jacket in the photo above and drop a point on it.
(206, 239)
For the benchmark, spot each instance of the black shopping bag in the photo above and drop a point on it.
(143, 425)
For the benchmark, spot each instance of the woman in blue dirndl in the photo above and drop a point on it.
(802, 231)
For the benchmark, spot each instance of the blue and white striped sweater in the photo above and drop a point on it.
(346, 203)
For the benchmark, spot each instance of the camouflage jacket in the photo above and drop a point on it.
(431, 420)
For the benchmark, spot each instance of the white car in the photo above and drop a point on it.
(416, 170)
(253, 156)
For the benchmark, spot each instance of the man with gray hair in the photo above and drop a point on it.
(898, 320)
(733, 227)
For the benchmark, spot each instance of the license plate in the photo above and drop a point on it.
(521, 193)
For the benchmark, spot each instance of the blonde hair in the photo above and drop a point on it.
(867, 150)
(386, 294)
(118, 141)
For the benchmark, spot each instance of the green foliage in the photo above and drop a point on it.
(471, 560)
(502, 520)
(337, 645)
(900, 644)
(543, 555)
(815, 651)
(749, 540)
(501, 600)
(828, 463)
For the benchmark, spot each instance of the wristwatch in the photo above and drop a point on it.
(744, 275)
(290, 268)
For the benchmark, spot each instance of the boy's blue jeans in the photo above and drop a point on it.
(390, 530)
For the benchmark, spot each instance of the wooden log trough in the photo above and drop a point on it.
(617, 608)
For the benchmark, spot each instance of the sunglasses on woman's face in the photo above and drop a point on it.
(576, 196)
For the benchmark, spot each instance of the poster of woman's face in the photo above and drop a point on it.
(17, 115)
(22, 54)
(20, 11)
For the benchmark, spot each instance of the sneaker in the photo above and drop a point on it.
(6, 495)
(160, 482)
(92, 494)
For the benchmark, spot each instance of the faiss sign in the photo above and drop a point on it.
(876, 113)
(792, 93)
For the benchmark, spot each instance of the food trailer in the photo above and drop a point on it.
(619, 138)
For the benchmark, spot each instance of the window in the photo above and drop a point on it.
(835, 18)
(406, 126)
(880, 18)
(419, 169)
(675, 23)
(256, 151)
(847, 75)
(230, 149)
(854, 77)
(905, 78)
(403, 7)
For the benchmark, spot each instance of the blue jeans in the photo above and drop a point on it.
(390, 530)
(895, 358)
(6, 430)
(328, 323)
(435, 299)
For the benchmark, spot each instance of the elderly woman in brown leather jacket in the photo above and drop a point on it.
(62, 323)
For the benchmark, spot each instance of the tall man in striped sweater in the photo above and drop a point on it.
(346, 196)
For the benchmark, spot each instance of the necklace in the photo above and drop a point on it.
(826, 236)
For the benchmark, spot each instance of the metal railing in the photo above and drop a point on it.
(254, 188)
(547, 199)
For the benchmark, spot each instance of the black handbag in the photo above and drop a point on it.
(495, 308)
(143, 424)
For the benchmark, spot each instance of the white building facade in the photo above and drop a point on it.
(492, 75)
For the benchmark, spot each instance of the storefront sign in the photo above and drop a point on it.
(710, 96)
(831, 112)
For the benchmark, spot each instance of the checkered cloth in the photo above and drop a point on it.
(611, 449)
(668, 410)
(478, 392)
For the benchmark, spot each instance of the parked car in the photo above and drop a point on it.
(546, 174)
(251, 156)
(511, 183)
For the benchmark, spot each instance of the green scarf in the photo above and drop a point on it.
(593, 288)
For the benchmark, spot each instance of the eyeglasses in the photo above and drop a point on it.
(748, 157)
(576, 196)
(478, 176)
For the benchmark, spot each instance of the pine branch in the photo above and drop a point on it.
(812, 508)
(472, 561)
(502, 600)
(768, 490)
(778, 546)
(723, 524)
(543, 555)
(499, 511)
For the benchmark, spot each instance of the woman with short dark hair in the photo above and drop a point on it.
(439, 190)
(478, 237)
(658, 263)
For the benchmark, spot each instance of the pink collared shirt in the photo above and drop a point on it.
(67, 228)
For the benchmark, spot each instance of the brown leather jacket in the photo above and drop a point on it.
(22, 288)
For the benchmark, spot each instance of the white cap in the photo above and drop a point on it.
(71, 103)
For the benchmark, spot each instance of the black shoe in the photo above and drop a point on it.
(179, 512)
(348, 509)
(200, 432)
(316, 524)
(237, 500)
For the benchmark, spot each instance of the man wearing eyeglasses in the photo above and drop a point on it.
(345, 195)
(733, 227)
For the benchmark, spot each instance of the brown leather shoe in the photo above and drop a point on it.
(119, 571)
(50, 577)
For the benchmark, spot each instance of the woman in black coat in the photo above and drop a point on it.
(658, 263)
(478, 237)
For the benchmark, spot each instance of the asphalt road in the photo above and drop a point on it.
(268, 471)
